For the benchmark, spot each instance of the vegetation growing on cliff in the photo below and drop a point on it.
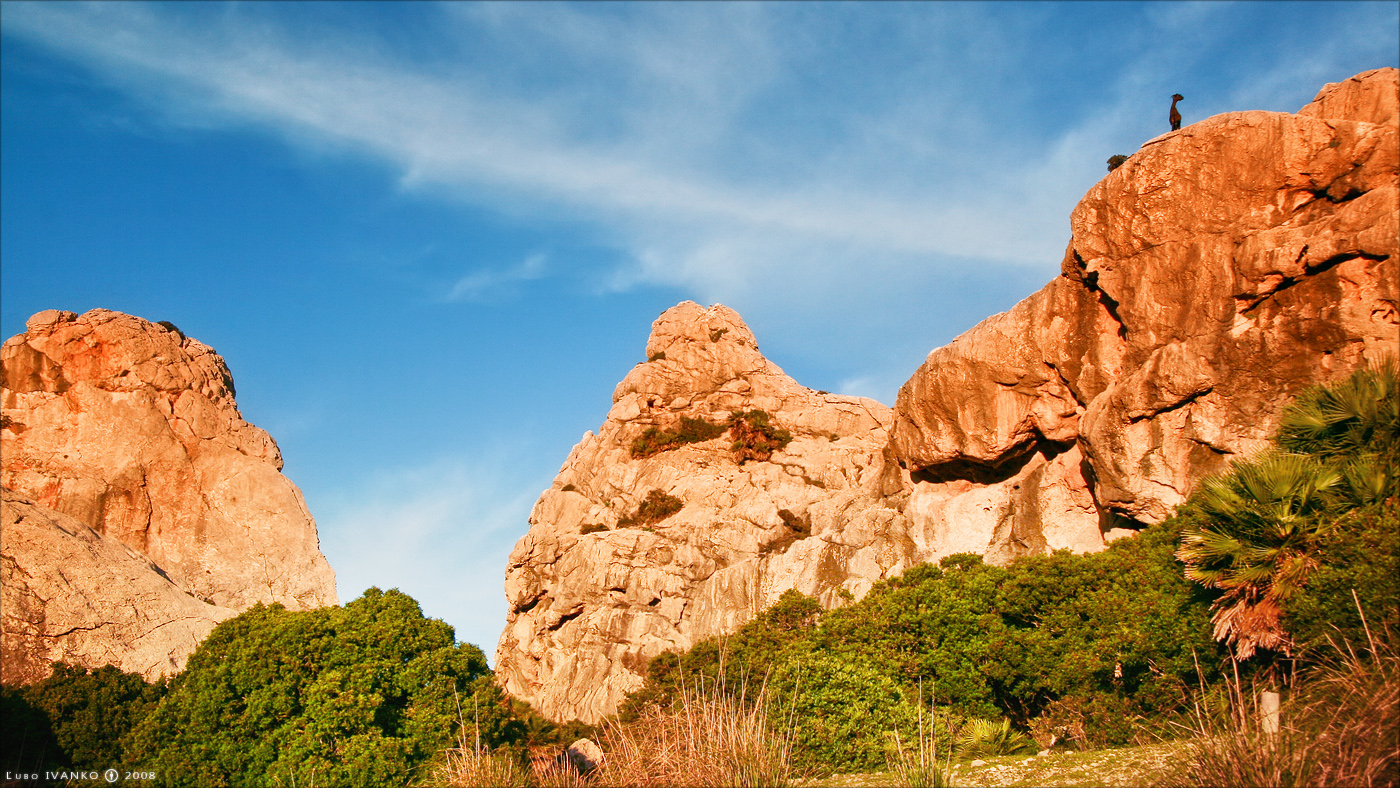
(755, 435)
(657, 506)
(1100, 649)
(655, 440)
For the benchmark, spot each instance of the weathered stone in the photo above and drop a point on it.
(131, 428)
(72, 595)
(591, 600)
(1211, 277)
(1221, 270)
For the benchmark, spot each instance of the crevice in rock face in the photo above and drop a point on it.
(530, 604)
(981, 472)
(797, 528)
(1245, 303)
(1190, 398)
(1108, 518)
(71, 630)
(1090, 280)
(1216, 449)
(566, 618)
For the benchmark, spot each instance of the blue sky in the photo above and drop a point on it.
(430, 239)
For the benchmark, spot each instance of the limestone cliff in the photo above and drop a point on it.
(131, 429)
(1220, 270)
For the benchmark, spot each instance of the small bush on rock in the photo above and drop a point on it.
(755, 436)
(655, 441)
(657, 507)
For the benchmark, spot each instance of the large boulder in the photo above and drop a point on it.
(131, 428)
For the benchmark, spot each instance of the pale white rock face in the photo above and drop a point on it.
(826, 515)
(131, 428)
(106, 604)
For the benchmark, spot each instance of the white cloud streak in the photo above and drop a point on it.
(440, 532)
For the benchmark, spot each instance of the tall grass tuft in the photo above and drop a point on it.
(1340, 727)
(479, 768)
(921, 769)
(708, 737)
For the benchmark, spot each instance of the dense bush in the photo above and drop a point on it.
(74, 719)
(657, 506)
(655, 440)
(1087, 647)
(364, 694)
(755, 435)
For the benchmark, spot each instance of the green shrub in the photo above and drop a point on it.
(1283, 538)
(27, 742)
(657, 506)
(90, 712)
(655, 441)
(592, 528)
(755, 436)
(982, 738)
(364, 694)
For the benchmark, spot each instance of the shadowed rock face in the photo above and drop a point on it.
(106, 604)
(131, 429)
(1220, 270)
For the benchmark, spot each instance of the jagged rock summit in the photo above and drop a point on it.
(1220, 270)
(130, 428)
(602, 583)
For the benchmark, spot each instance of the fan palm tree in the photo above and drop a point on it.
(1258, 527)
(1354, 417)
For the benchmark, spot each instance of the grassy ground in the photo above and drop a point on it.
(1130, 766)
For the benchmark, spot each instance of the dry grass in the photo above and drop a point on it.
(709, 737)
(1340, 727)
(479, 768)
(921, 769)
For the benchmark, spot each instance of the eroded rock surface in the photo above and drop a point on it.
(73, 595)
(592, 597)
(1222, 269)
(131, 428)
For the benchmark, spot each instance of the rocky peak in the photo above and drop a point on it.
(131, 428)
(1220, 270)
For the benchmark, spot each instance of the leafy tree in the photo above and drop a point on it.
(363, 694)
(74, 718)
(841, 710)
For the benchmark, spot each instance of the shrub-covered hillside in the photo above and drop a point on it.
(1097, 649)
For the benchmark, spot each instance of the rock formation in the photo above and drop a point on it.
(594, 595)
(131, 429)
(73, 595)
(1220, 270)
(1209, 279)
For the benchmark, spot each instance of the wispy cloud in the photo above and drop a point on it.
(479, 284)
(440, 531)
